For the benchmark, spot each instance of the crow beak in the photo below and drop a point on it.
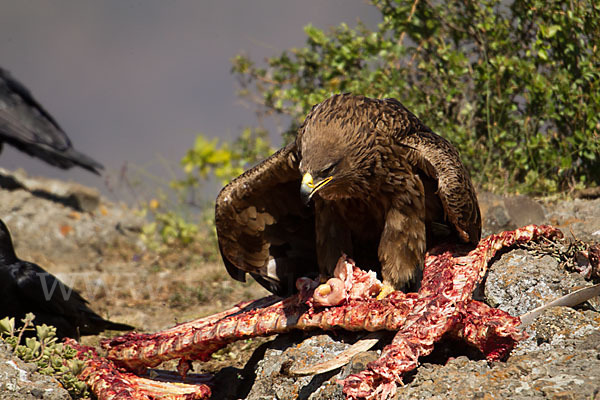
(309, 188)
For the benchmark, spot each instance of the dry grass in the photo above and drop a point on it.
(156, 295)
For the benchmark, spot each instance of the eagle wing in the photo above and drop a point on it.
(446, 180)
(439, 160)
(263, 228)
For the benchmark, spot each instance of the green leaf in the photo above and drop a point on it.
(542, 54)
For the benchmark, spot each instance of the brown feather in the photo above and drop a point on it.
(396, 188)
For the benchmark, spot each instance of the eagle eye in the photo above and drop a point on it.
(328, 171)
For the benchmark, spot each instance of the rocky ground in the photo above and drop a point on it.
(94, 246)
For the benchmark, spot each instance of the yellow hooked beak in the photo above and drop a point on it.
(309, 188)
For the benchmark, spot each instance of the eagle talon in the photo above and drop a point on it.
(386, 290)
(323, 289)
(331, 293)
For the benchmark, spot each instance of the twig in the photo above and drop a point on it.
(412, 12)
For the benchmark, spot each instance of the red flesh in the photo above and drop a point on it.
(442, 305)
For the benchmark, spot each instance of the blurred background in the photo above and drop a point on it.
(133, 82)
(147, 87)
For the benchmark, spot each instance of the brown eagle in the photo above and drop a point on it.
(384, 189)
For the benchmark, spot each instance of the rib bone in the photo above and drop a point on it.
(109, 383)
(442, 305)
(137, 351)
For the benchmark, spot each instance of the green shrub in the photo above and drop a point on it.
(514, 85)
(180, 227)
(225, 161)
(51, 358)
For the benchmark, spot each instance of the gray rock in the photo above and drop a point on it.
(561, 373)
(559, 360)
(74, 195)
(524, 210)
(273, 377)
(501, 213)
(519, 282)
(19, 381)
(579, 217)
(48, 228)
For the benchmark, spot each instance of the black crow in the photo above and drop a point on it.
(26, 125)
(26, 287)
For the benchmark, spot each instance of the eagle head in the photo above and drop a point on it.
(337, 151)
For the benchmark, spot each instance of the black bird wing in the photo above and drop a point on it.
(263, 227)
(26, 125)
